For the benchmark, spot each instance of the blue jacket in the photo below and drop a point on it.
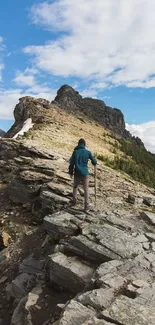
(79, 161)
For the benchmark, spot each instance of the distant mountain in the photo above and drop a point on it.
(2, 133)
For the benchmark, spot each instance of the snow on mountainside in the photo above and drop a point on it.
(27, 125)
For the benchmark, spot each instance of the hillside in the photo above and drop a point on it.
(59, 127)
(58, 264)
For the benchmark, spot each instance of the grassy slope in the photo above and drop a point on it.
(62, 131)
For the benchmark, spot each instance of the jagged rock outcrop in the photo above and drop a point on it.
(110, 118)
(29, 107)
(2, 133)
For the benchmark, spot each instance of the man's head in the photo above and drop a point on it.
(82, 141)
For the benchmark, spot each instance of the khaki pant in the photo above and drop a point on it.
(84, 180)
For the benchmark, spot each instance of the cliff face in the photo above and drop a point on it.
(110, 118)
(2, 133)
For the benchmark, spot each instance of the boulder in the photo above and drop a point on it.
(22, 313)
(60, 225)
(149, 200)
(75, 314)
(20, 286)
(32, 266)
(51, 202)
(99, 299)
(70, 273)
(149, 217)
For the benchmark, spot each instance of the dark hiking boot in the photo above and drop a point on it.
(89, 208)
(73, 202)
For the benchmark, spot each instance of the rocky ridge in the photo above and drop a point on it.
(40, 111)
(97, 110)
(60, 265)
(95, 268)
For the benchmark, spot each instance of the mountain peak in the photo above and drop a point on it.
(95, 109)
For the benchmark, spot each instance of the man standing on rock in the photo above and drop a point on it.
(79, 167)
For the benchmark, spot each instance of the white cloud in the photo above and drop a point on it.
(89, 93)
(1, 63)
(110, 41)
(25, 78)
(9, 98)
(1, 68)
(99, 85)
(107, 97)
(146, 132)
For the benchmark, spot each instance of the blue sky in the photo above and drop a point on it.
(104, 49)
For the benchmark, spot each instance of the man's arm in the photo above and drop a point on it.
(93, 160)
(72, 163)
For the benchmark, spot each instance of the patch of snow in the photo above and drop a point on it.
(26, 127)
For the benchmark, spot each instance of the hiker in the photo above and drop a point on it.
(79, 167)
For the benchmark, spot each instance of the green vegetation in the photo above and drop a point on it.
(136, 161)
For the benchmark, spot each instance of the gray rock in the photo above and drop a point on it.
(22, 313)
(128, 311)
(69, 272)
(3, 256)
(146, 246)
(32, 266)
(153, 246)
(97, 298)
(150, 257)
(117, 274)
(120, 222)
(150, 236)
(104, 243)
(141, 238)
(75, 314)
(149, 200)
(20, 286)
(149, 217)
(133, 199)
(51, 202)
(60, 224)
(146, 295)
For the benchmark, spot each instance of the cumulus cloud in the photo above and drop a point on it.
(146, 132)
(24, 80)
(89, 93)
(9, 98)
(1, 63)
(110, 41)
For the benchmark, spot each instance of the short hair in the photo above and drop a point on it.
(82, 141)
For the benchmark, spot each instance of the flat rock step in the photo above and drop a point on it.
(101, 243)
(148, 217)
(70, 273)
(77, 314)
(60, 224)
(128, 311)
